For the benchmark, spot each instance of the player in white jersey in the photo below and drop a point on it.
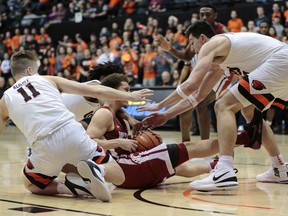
(88, 107)
(34, 104)
(263, 61)
(84, 107)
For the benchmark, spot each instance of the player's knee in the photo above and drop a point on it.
(220, 107)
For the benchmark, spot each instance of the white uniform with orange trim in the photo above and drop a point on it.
(78, 105)
(264, 58)
(56, 138)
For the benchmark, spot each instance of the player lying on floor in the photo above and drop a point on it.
(148, 168)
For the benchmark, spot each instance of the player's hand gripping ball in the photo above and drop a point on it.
(147, 139)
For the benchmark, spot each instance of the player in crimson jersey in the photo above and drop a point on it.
(148, 168)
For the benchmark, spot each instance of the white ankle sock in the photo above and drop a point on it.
(62, 189)
(277, 160)
(102, 169)
(225, 159)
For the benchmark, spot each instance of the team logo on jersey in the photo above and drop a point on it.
(258, 85)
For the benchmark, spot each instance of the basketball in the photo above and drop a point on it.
(147, 140)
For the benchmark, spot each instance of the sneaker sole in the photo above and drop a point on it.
(98, 188)
(225, 186)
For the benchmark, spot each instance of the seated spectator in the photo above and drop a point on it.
(175, 77)
(128, 7)
(146, 63)
(69, 61)
(166, 80)
(115, 28)
(157, 6)
(235, 23)
(30, 18)
(84, 66)
(162, 62)
(129, 25)
(8, 42)
(251, 26)
(114, 38)
(276, 23)
(260, 16)
(5, 67)
(264, 28)
(129, 59)
(276, 12)
(180, 36)
(61, 52)
(89, 11)
(106, 56)
(16, 40)
(101, 10)
(114, 7)
(273, 33)
(26, 38)
(141, 6)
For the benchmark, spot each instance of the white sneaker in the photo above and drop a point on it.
(222, 178)
(99, 189)
(77, 185)
(277, 174)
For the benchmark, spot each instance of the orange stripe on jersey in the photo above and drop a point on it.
(38, 179)
(278, 103)
(259, 100)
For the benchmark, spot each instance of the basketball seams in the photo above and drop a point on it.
(152, 141)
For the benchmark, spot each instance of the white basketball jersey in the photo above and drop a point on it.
(36, 107)
(78, 105)
(249, 50)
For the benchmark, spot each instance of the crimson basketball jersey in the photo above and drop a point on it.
(141, 169)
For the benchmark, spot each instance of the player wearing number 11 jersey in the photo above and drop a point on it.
(34, 104)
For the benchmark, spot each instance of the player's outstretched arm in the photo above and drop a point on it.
(98, 91)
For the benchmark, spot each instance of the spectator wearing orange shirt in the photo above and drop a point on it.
(114, 7)
(8, 42)
(235, 23)
(276, 12)
(114, 38)
(69, 61)
(285, 13)
(16, 40)
(179, 35)
(129, 59)
(146, 62)
(128, 6)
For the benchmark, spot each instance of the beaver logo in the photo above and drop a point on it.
(258, 85)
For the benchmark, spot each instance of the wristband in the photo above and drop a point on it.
(192, 100)
(187, 63)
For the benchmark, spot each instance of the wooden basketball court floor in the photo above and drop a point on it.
(171, 198)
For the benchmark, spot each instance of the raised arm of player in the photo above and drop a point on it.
(166, 45)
